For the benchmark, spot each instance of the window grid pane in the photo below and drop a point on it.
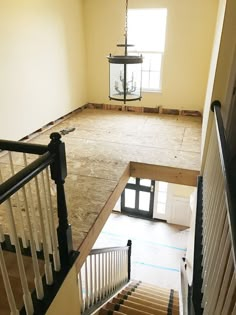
(140, 23)
(145, 182)
(144, 201)
(130, 198)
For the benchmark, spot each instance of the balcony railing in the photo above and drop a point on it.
(214, 274)
(34, 217)
(104, 272)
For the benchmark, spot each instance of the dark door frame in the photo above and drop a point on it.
(138, 188)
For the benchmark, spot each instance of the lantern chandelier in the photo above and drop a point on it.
(125, 72)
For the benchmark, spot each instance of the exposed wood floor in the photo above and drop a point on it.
(107, 147)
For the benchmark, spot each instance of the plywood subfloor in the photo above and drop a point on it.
(99, 152)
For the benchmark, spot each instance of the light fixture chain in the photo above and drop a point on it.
(126, 18)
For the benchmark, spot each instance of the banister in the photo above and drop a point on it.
(52, 155)
(225, 163)
(10, 186)
(105, 271)
(23, 147)
(96, 251)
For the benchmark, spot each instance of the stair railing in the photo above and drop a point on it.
(104, 272)
(218, 227)
(29, 201)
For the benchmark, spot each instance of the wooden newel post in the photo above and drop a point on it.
(58, 174)
(129, 244)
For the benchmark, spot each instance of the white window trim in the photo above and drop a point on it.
(133, 51)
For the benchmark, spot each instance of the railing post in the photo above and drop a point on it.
(129, 244)
(58, 174)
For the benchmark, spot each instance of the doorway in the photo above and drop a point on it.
(137, 198)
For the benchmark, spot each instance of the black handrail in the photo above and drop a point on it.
(17, 181)
(23, 147)
(97, 251)
(196, 288)
(128, 247)
(228, 180)
(53, 155)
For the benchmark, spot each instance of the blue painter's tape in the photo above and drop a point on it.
(156, 266)
(149, 242)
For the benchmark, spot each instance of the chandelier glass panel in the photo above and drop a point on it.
(125, 73)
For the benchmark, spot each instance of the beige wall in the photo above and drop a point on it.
(223, 66)
(189, 39)
(67, 299)
(42, 62)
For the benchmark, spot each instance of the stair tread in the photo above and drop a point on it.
(155, 295)
(155, 305)
(126, 309)
(139, 306)
(147, 298)
(104, 311)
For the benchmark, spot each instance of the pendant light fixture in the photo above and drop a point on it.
(125, 72)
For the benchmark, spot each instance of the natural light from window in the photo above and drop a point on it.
(147, 31)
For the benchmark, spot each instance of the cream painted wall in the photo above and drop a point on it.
(223, 66)
(42, 62)
(189, 39)
(67, 298)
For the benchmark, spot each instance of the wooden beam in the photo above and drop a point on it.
(101, 219)
(164, 173)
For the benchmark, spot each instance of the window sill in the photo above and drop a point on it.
(152, 91)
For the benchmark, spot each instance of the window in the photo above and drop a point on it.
(147, 31)
(162, 197)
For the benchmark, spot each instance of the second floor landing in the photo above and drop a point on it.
(105, 147)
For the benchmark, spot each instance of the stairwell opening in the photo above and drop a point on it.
(156, 216)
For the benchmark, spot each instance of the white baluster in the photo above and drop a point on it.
(103, 276)
(2, 238)
(86, 285)
(56, 257)
(19, 211)
(46, 213)
(99, 278)
(91, 281)
(47, 265)
(6, 281)
(113, 269)
(37, 279)
(105, 271)
(95, 280)
(26, 294)
(110, 274)
(32, 207)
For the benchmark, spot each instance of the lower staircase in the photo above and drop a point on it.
(142, 298)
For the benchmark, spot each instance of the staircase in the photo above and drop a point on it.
(142, 299)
